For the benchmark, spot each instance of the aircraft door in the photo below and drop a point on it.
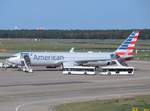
(26, 57)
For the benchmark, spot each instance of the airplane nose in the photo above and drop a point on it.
(12, 60)
(9, 60)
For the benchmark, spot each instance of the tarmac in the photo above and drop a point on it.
(45, 88)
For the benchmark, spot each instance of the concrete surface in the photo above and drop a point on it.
(41, 90)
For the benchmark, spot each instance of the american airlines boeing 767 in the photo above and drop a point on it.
(67, 59)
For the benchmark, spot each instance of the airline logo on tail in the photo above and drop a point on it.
(125, 50)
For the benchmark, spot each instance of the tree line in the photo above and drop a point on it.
(72, 34)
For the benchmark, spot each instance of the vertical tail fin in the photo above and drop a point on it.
(125, 50)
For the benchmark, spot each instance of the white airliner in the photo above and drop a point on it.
(69, 59)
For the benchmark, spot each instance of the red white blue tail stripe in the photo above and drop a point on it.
(126, 49)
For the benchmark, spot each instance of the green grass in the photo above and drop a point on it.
(141, 55)
(127, 104)
(55, 44)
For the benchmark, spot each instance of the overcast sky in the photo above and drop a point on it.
(74, 14)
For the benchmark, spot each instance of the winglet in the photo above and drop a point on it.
(71, 50)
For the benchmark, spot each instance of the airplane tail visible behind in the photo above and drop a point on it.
(125, 50)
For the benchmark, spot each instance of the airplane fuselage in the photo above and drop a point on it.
(57, 58)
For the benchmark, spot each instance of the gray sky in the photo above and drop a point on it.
(74, 14)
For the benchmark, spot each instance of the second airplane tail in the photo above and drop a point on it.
(126, 49)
